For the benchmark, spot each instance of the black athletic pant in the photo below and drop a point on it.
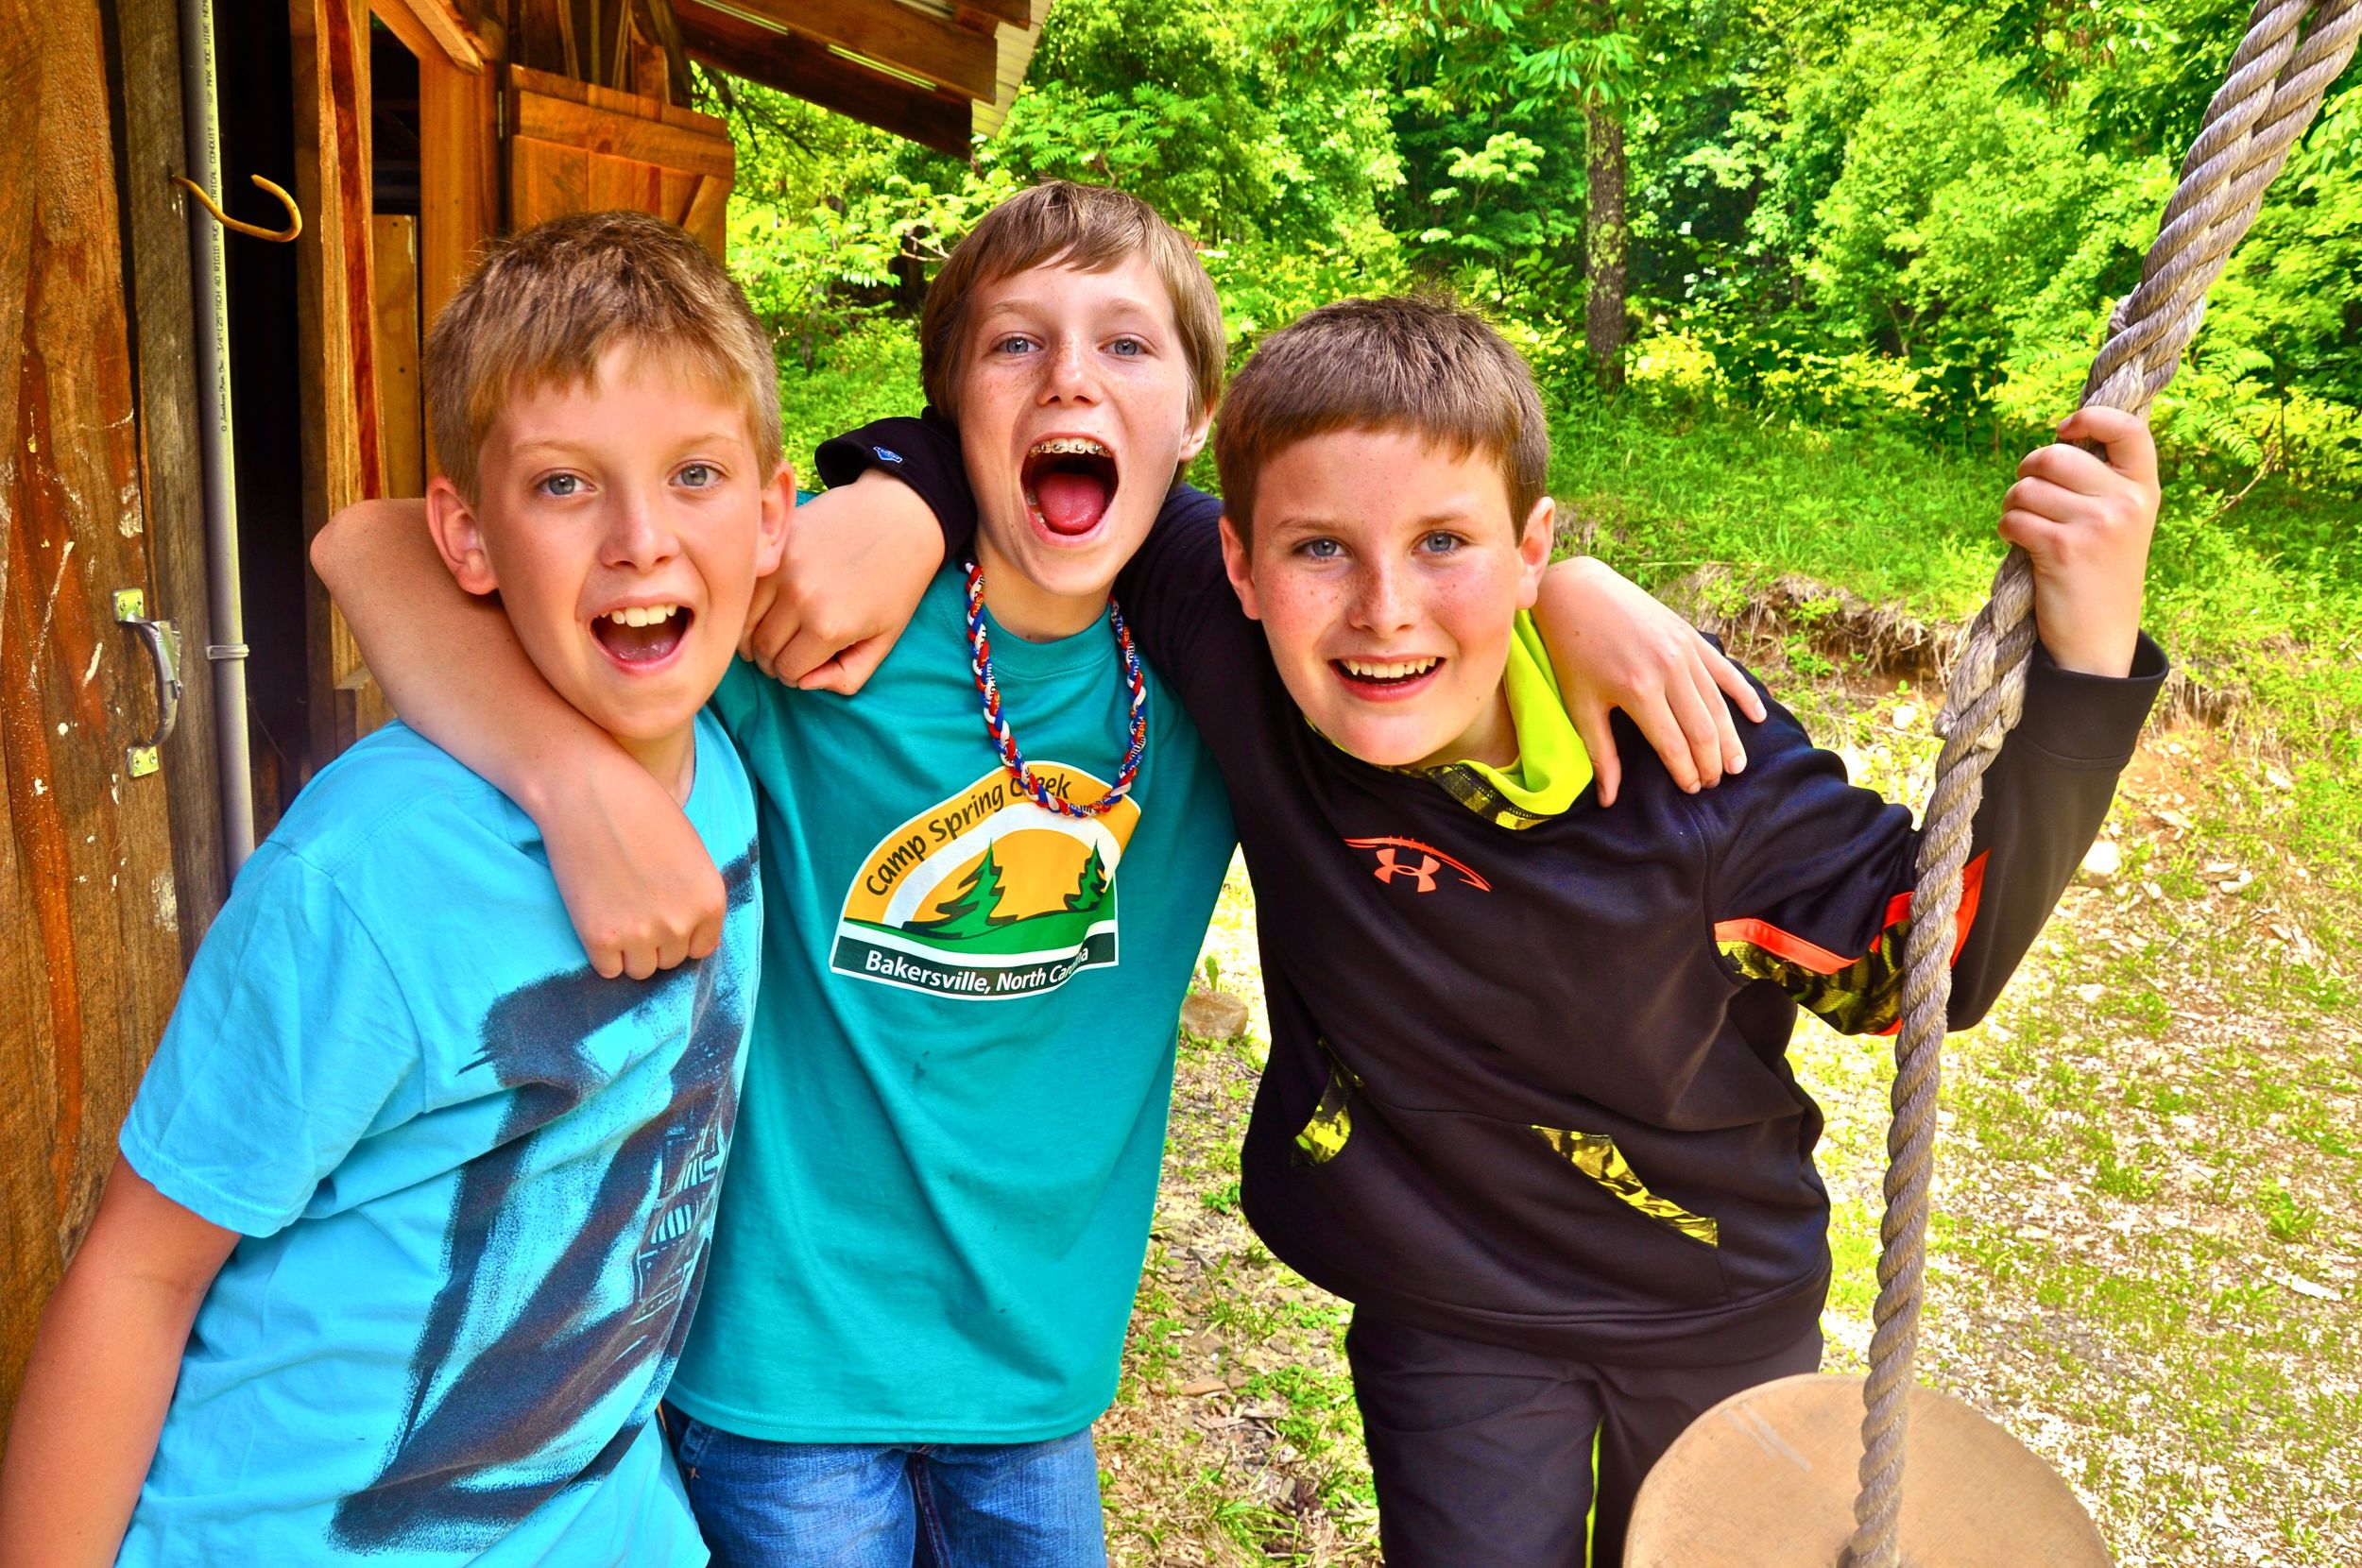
(1484, 1456)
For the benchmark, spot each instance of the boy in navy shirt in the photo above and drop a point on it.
(1529, 1105)
(412, 1207)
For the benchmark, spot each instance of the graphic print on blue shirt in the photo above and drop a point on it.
(484, 1408)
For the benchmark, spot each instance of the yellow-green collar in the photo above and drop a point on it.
(1553, 765)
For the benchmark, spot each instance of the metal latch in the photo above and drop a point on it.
(162, 641)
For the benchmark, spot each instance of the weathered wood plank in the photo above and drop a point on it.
(458, 179)
(627, 182)
(527, 80)
(336, 352)
(401, 433)
(1016, 12)
(89, 949)
(797, 65)
(394, 250)
(544, 37)
(429, 28)
(708, 216)
(541, 117)
(925, 45)
(163, 328)
(678, 191)
(546, 181)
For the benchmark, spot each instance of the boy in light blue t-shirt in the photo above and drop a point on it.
(414, 1207)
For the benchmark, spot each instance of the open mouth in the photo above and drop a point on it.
(1069, 480)
(642, 633)
(1384, 674)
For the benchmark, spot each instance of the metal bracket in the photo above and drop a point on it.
(162, 641)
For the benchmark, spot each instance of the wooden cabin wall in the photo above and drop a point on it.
(88, 950)
(575, 149)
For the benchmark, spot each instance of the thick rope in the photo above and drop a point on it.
(2271, 94)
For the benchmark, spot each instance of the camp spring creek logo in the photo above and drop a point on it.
(987, 895)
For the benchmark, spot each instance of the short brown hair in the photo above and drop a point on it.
(543, 305)
(1091, 229)
(1414, 363)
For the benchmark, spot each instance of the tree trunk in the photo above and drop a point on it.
(1605, 243)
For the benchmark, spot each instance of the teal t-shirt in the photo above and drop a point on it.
(475, 1181)
(954, 1112)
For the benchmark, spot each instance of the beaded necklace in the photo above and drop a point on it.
(996, 723)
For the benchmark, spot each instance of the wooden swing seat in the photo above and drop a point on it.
(1766, 1479)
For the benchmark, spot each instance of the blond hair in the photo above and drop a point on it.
(543, 306)
(1091, 229)
(1414, 363)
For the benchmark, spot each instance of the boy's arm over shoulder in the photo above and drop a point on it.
(101, 1374)
(1173, 593)
(860, 555)
(1613, 647)
(922, 452)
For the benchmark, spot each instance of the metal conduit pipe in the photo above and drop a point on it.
(226, 649)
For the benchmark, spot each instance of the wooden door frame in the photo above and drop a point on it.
(153, 137)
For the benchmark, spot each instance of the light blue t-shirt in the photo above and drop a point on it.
(956, 1105)
(475, 1183)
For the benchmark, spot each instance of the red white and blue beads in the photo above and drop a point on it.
(997, 722)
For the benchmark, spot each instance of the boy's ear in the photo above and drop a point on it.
(778, 508)
(1193, 439)
(1534, 550)
(458, 537)
(1234, 561)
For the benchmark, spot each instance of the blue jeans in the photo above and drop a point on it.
(935, 1505)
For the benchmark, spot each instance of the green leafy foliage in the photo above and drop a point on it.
(1866, 216)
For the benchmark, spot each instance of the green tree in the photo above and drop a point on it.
(1091, 886)
(1571, 66)
(974, 909)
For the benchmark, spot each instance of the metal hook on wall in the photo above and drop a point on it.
(278, 236)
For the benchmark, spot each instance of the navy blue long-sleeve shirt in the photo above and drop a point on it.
(1531, 1084)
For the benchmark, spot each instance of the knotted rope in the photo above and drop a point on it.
(2273, 90)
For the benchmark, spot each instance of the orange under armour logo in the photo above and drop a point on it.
(1391, 863)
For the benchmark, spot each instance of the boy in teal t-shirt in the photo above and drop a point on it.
(987, 880)
(945, 1169)
(413, 1208)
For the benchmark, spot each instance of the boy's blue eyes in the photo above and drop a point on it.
(561, 486)
(1130, 348)
(1323, 549)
